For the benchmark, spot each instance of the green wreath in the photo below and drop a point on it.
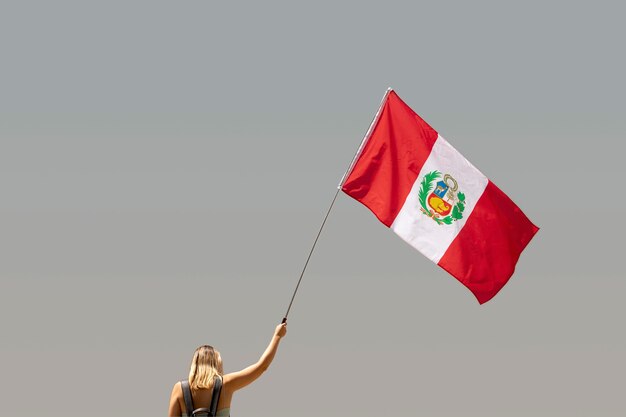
(426, 187)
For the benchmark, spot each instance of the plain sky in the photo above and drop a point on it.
(165, 165)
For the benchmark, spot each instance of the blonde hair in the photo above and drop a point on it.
(205, 365)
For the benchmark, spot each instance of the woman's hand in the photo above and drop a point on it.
(281, 330)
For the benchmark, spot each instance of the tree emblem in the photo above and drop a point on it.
(444, 204)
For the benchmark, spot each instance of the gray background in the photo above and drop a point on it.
(165, 165)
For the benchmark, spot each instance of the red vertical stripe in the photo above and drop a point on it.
(391, 160)
(484, 253)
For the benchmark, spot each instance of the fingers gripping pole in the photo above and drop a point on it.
(309, 257)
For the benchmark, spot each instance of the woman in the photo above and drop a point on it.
(206, 364)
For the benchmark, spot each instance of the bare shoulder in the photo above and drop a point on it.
(175, 408)
(177, 390)
(227, 380)
(231, 382)
(237, 380)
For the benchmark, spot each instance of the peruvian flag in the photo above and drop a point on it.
(417, 184)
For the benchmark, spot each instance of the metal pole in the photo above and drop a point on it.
(345, 175)
(365, 138)
(310, 253)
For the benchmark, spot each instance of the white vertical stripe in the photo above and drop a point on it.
(421, 231)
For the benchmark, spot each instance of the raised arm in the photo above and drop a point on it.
(238, 380)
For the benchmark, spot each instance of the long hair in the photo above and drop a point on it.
(205, 365)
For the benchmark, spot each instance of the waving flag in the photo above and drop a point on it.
(417, 184)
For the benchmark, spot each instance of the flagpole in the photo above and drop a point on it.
(309, 257)
(365, 138)
(345, 175)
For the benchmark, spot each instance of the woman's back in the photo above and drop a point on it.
(206, 365)
(202, 399)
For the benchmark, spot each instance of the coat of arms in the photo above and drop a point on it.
(445, 204)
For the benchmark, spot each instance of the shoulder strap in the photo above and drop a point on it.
(215, 398)
(217, 388)
(187, 394)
